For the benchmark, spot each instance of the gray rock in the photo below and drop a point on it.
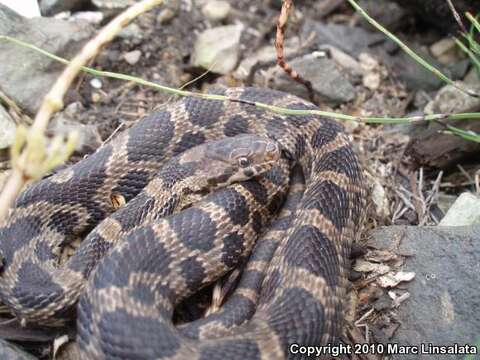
(51, 7)
(25, 75)
(218, 48)
(96, 83)
(66, 121)
(265, 55)
(165, 16)
(389, 14)
(7, 129)
(131, 32)
(113, 4)
(132, 57)
(328, 82)
(450, 100)
(352, 40)
(416, 77)
(92, 17)
(464, 211)
(444, 302)
(472, 76)
(429, 146)
(216, 10)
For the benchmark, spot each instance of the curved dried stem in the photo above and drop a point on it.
(279, 48)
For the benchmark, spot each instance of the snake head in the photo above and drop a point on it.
(239, 158)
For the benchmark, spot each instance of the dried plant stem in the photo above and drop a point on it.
(457, 17)
(277, 109)
(279, 47)
(53, 101)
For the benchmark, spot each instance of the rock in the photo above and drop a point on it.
(218, 48)
(371, 72)
(451, 100)
(132, 57)
(443, 305)
(165, 16)
(25, 75)
(96, 83)
(380, 199)
(390, 14)
(464, 211)
(52, 7)
(12, 352)
(446, 51)
(131, 32)
(430, 147)
(416, 77)
(92, 17)
(265, 55)
(113, 4)
(344, 60)
(352, 40)
(65, 122)
(27, 8)
(472, 76)
(328, 82)
(7, 129)
(216, 10)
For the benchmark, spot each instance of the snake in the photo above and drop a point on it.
(293, 286)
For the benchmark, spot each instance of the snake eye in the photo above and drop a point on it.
(243, 162)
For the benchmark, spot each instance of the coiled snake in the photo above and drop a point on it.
(292, 288)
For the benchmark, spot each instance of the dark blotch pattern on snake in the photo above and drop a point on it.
(292, 289)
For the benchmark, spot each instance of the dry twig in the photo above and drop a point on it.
(457, 17)
(279, 47)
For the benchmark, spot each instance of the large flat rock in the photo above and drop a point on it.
(443, 308)
(26, 75)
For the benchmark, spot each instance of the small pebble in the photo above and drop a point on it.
(132, 57)
(93, 17)
(96, 97)
(165, 16)
(132, 31)
(96, 83)
(216, 10)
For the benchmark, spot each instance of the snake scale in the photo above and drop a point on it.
(294, 283)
